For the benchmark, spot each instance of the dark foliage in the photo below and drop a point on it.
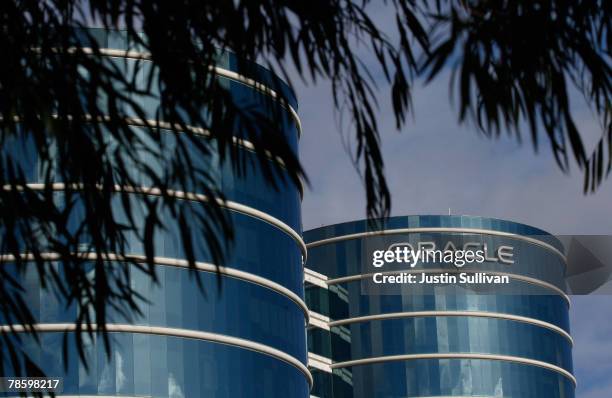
(514, 64)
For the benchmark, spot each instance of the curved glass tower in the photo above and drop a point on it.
(246, 340)
(438, 340)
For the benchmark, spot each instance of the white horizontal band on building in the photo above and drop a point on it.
(319, 362)
(173, 332)
(467, 355)
(182, 263)
(480, 314)
(518, 277)
(195, 197)
(315, 278)
(477, 231)
(110, 52)
(241, 142)
(318, 320)
(195, 130)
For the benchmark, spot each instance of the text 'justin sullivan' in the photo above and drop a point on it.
(423, 278)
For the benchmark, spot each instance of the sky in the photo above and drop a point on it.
(434, 164)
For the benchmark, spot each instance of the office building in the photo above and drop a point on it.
(392, 340)
(246, 340)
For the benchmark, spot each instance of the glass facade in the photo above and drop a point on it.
(245, 337)
(438, 340)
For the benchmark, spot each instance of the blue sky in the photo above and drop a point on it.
(435, 164)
